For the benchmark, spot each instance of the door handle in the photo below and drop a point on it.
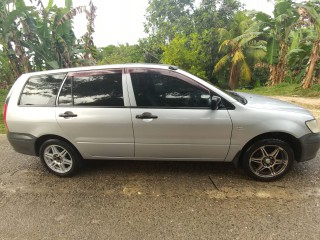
(67, 114)
(146, 115)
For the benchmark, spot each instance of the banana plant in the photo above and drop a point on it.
(39, 37)
(309, 12)
(277, 30)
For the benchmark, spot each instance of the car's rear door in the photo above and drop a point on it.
(93, 112)
(172, 118)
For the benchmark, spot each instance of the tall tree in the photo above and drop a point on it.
(123, 53)
(165, 18)
(308, 12)
(209, 17)
(236, 50)
(278, 31)
(186, 52)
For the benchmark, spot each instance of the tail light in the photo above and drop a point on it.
(5, 112)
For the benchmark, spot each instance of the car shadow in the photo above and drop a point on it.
(158, 167)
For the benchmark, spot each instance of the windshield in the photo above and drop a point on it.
(230, 93)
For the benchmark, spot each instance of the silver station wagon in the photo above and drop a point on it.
(153, 112)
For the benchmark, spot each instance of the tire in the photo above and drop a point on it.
(268, 159)
(59, 157)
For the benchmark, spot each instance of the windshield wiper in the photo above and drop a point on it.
(238, 97)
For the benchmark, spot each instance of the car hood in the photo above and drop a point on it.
(262, 102)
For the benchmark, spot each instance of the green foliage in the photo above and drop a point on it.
(239, 50)
(165, 18)
(120, 54)
(273, 50)
(185, 52)
(35, 38)
(260, 76)
(172, 24)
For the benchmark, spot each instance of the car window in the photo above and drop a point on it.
(101, 90)
(41, 90)
(154, 89)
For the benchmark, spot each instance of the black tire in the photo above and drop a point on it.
(268, 160)
(59, 157)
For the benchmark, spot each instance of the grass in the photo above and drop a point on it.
(286, 89)
(3, 95)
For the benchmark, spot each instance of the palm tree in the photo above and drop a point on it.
(237, 48)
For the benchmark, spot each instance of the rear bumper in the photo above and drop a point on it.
(310, 144)
(22, 143)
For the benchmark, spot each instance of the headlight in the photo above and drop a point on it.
(313, 125)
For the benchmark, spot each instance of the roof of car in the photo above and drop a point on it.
(114, 66)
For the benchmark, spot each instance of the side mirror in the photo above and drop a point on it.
(215, 101)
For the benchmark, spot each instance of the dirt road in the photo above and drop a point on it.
(155, 200)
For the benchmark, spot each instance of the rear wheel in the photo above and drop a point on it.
(268, 159)
(59, 157)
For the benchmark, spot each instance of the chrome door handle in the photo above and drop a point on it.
(146, 115)
(67, 114)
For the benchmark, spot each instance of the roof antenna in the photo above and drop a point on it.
(173, 68)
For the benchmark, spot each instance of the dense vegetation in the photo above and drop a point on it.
(216, 40)
(38, 37)
(220, 42)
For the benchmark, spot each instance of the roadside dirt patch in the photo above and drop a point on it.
(313, 104)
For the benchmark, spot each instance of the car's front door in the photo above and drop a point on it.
(173, 119)
(93, 112)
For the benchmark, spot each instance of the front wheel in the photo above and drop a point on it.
(59, 157)
(268, 159)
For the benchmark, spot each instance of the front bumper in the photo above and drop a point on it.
(310, 144)
(22, 143)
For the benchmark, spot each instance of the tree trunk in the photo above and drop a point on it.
(273, 75)
(307, 81)
(14, 62)
(282, 66)
(233, 77)
(24, 60)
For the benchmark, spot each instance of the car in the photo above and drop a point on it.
(153, 112)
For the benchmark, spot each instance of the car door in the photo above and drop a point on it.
(93, 112)
(172, 118)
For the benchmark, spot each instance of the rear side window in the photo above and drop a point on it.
(41, 90)
(93, 89)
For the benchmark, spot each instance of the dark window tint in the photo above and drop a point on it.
(41, 90)
(95, 90)
(158, 90)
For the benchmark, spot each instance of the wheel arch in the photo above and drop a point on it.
(44, 138)
(288, 138)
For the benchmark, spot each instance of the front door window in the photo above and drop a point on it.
(155, 89)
